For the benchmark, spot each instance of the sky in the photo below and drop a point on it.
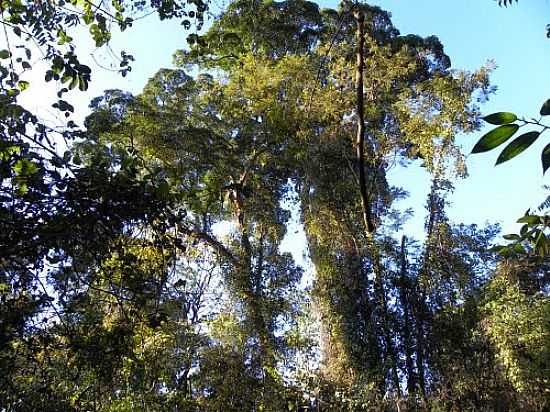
(472, 31)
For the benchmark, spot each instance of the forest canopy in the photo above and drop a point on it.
(141, 259)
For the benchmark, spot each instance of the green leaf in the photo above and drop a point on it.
(501, 118)
(529, 219)
(73, 83)
(498, 248)
(495, 138)
(22, 189)
(545, 158)
(23, 85)
(4, 54)
(517, 248)
(517, 146)
(512, 236)
(545, 109)
(24, 167)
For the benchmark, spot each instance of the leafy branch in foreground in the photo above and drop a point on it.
(533, 239)
(507, 127)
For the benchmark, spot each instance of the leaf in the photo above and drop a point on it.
(517, 248)
(517, 146)
(512, 236)
(495, 138)
(22, 189)
(180, 283)
(529, 219)
(23, 85)
(82, 83)
(4, 54)
(498, 248)
(501, 118)
(524, 229)
(545, 158)
(545, 109)
(540, 243)
(73, 83)
(24, 167)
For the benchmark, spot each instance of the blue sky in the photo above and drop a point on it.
(473, 32)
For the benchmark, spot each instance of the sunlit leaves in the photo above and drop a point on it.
(533, 238)
(516, 323)
(495, 138)
(529, 219)
(23, 85)
(25, 167)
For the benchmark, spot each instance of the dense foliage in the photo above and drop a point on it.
(142, 267)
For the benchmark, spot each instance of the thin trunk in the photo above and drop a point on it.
(360, 139)
(405, 303)
(420, 343)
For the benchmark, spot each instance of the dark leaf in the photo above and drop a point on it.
(495, 138)
(545, 158)
(524, 229)
(501, 118)
(545, 109)
(517, 146)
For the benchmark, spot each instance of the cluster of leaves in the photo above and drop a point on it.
(507, 127)
(533, 239)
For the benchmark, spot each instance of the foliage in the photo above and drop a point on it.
(142, 268)
(516, 322)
